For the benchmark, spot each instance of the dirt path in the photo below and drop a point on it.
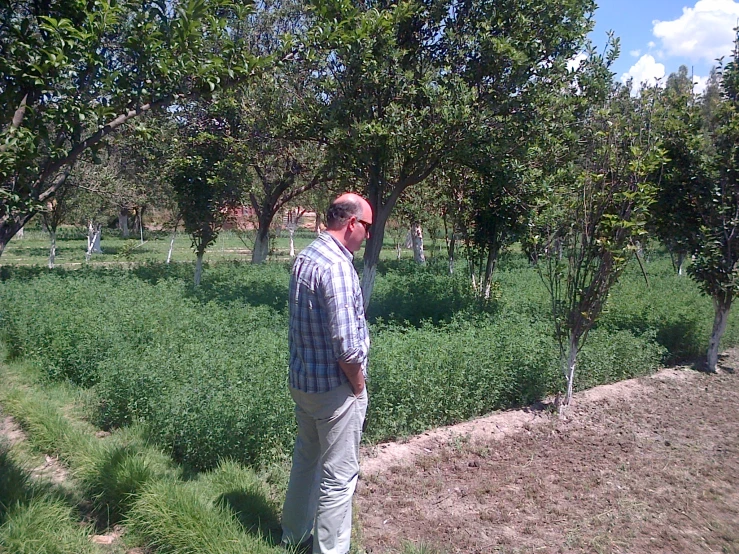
(649, 465)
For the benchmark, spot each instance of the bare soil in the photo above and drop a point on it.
(649, 465)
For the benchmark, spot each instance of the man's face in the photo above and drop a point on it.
(360, 229)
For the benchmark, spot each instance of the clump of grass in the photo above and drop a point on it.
(247, 496)
(44, 525)
(420, 548)
(115, 474)
(177, 517)
(34, 519)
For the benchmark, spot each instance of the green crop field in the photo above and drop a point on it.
(204, 369)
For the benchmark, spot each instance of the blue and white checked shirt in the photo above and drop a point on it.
(327, 321)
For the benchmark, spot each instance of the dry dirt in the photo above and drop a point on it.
(649, 465)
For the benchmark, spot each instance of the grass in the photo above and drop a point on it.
(44, 526)
(36, 516)
(231, 509)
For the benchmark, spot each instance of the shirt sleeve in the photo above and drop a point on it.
(345, 319)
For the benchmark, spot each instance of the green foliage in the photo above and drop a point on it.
(72, 72)
(410, 293)
(204, 371)
(208, 183)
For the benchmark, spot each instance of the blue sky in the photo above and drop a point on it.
(657, 36)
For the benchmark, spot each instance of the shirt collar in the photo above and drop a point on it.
(330, 239)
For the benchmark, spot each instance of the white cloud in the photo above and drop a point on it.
(699, 84)
(651, 44)
(701, 32)
(635, 53)
(574, 63)
(646, 70)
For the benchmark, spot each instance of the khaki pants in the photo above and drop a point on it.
(325, 469)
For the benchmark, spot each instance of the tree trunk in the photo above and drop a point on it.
(372, 252)
(417, 241)
(123, 223)
(93, 239)
(52, 248)
(489, 269)
(198, 268)
(9, 227)
(20, 234)
(722, 308)
(292, 242)
(451, 245)
(681, 263)
(317, 228)
(171, 245)
(261, 246)
(569, 372)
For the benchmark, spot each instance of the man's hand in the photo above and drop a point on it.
(354, 373)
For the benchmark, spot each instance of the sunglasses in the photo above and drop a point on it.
(367, 226)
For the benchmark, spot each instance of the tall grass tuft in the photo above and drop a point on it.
(34, 518)
(176, 517)
(44, 526)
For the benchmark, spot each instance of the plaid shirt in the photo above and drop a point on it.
(327, 323)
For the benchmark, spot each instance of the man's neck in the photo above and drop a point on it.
(338, 234)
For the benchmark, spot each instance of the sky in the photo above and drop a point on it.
(658, 36)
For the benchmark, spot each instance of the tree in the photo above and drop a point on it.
(56, 212)
(283, 165)
(71, 73)
(586, 229)
(406, 83)
(715, 203)
(208, 185)
(679, 121)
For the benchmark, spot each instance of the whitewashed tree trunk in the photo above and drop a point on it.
(681, 264)
(123, 223)
(417, 242)
(198, 269)
(489, 268)
(292, 224)
(171, 246)
(20, 234)
(720, 319)
(93, 239)
(398, 250)
(369, 273)
(451, 246)
(261, 248)
(52, 249)
(317, 228)
(569, 371)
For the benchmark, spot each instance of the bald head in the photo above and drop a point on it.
(349, 219)
(345, 207)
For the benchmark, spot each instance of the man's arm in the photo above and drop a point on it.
(355, 375)
(338, 285)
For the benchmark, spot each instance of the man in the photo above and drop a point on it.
(328, 342)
